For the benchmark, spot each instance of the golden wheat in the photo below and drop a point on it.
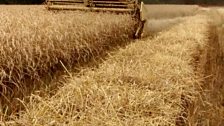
(33, 42)
(150, 82)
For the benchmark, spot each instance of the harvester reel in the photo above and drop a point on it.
(132, 7)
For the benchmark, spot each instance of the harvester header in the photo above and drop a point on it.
(133, 7)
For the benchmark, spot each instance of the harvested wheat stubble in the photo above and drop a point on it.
(161, 17)
(152, 26)
(144, 84)
(163, 11)
(33, 41)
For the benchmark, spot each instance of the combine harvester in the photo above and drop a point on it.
(132, 7)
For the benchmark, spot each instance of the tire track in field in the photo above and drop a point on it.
(209, 109)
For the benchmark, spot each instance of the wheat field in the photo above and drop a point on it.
(172, 76)
(36, 42)
(138, 85)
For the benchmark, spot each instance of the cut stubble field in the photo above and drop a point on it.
(163, 11)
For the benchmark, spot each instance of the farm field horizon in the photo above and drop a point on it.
(86, 68)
